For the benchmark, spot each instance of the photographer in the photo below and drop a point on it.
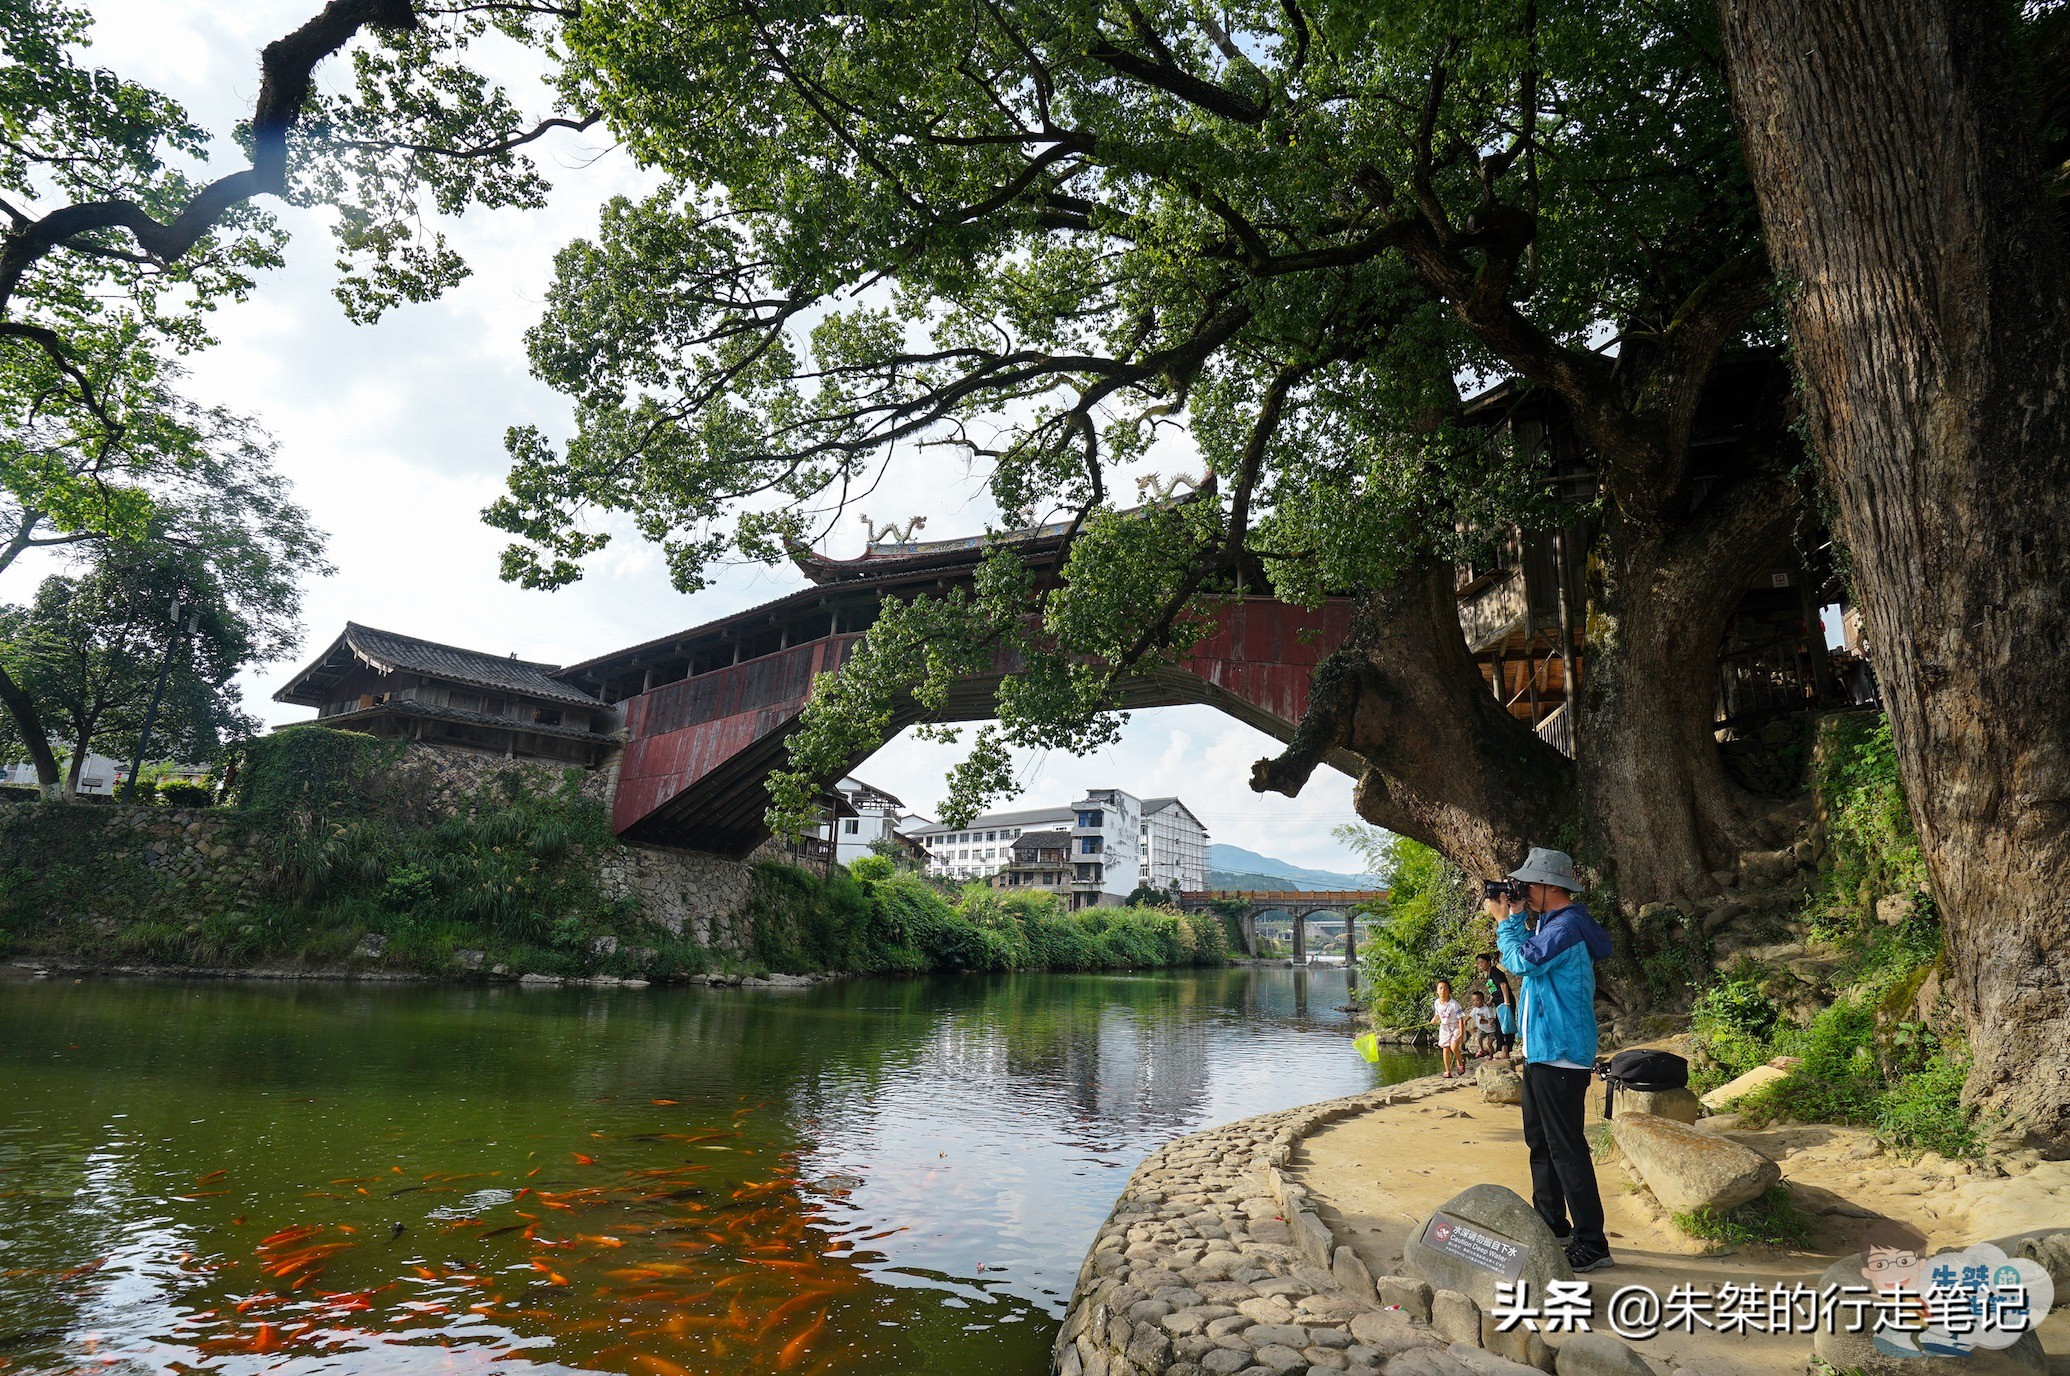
(1555, 957)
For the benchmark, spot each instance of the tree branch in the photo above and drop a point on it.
(286, 67)
(54, 348)
(480, 150)
(1173, 80)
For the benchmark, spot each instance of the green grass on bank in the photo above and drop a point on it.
(1773, 1220)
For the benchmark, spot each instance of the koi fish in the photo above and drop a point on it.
(287, 1235)
(787, 1356)
(802, 1300)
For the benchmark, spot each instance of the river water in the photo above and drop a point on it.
(863, 1177)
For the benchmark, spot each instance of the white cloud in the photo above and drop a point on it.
(393, 438)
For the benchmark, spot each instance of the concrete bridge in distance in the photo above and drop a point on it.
(1298, 904)
(707, 712)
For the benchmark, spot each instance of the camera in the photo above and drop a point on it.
(1514, 890)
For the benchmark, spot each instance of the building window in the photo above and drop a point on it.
(853, 826)
(1089, 845)
(1092, 818)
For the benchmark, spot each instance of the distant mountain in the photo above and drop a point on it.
(1233, 867)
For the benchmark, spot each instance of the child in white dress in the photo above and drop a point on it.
(1450, 1021)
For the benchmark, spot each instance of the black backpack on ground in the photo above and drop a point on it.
(1643, 1070)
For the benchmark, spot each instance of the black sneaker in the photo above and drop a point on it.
(1588, 1256)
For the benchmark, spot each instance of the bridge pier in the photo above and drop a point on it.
(1351, 940)
(1250, 934)
(1301, 939)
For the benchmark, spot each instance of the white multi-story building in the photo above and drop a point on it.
(1106, 842)
(983, 846)
(1174, 846)
(1113, 841)
(866, 815)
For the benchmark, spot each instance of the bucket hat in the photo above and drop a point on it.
(1554, 867)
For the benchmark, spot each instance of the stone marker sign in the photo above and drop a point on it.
(1482, 1238)
(1477, 1247)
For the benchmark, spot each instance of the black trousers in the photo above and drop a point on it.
(1563, 1176)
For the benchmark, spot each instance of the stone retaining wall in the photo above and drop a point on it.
(134, 863)
(1215, 1261)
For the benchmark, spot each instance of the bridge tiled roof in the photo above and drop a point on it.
(391, 652)
(879, 561)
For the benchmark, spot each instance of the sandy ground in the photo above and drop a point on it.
(1378, 1176)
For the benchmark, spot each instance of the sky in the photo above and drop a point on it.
(393, 438)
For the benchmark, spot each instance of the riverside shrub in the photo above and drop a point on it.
(915, 924)
(1432, 931)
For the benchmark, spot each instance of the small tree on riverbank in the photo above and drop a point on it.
(88, 652)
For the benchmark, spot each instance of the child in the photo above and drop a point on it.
(1506, 1026)
(1450, 1021)
(1483, 1025)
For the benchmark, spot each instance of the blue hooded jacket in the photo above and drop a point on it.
(1558, 966)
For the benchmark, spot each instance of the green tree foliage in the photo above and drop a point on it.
(876, 919)
(88, 651)
(118, 245)
(222, 539)
(1430, 932)
(1066, 241)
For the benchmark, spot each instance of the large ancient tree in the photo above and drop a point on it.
(1043, 237)
(1909, 156)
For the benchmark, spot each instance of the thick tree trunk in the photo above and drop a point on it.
(1444, 763)
(1892, 153)
(29, 726)
(1661, 815)
(73, 769)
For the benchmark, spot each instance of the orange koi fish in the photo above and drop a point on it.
(287, 1235)
(787, 1356)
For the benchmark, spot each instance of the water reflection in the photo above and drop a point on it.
(864, 1176)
